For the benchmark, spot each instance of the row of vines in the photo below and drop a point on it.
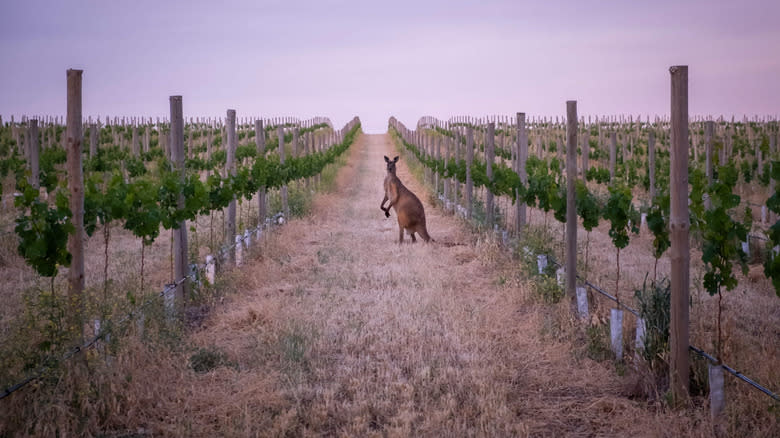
(132, 188)
(615, 189)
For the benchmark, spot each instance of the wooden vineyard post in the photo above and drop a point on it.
(93, 140)
(447, 147)
(190, 141)
(135, 146)
(469, 162)
(146, 138)
(521, 155)
(456, 189)
(651, 162)
(34, 149)
(209, 142)
(260, 144)
(539, 146)
(708, 130)
(165, 137)
(76, 185)
(230, 169)
(437, 156)
(585, 150)
(612, 154)
(571, 208)
(283, 190)
(428, 149)
(773, 140)
(624, 154)
(307, 141)
(180, 263)
(679, 225)
(295, 141)
(489, 144)
(559, 150)
(223, 132)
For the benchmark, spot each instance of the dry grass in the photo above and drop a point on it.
(334, 329)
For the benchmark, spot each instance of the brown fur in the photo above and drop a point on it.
(408, 208)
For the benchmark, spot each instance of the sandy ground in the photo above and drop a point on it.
(341, 331)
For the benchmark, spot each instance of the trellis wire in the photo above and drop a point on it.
(103, 332)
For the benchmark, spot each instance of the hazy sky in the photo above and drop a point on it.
(377, 59)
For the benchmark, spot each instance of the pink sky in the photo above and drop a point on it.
(401, 58)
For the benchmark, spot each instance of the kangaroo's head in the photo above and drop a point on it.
(391, 164)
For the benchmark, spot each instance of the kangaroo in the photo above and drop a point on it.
(408, 208)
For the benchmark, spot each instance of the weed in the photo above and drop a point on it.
(535, 241)
(597, 342)
(546, 288)
(654, 307)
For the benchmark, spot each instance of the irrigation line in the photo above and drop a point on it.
(696, 350)
(552, 260)
(263, 225)
(736, 373)
(103, 332)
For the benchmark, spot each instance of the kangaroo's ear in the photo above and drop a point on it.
(387, 160)
(395, 160)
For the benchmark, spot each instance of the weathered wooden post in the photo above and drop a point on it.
(146, 138)
(585, 150)
(539, 145)
(709, 127)
(180, 263)
(456, 189)
(191, 140)
(679, 225)
(428, 153)
(283, 190)
(773, 140)
(223, 131)
(489, 156)
(307, 143)
(437, 156)
(469, 162)
(135, 147)
(651, 162)
(33, 147)
(447, 201)
(521, 156)
(209, 142)
(230, 170)
(93, 140)
(76, 185)
(164, 137)
(295, 141)
(612, 154)
(571, 208)
(260, 144)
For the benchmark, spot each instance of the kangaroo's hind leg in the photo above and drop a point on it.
(400, 234)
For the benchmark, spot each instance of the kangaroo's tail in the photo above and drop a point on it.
(424, 234)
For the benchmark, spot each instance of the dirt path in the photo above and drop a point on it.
(340, 331)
